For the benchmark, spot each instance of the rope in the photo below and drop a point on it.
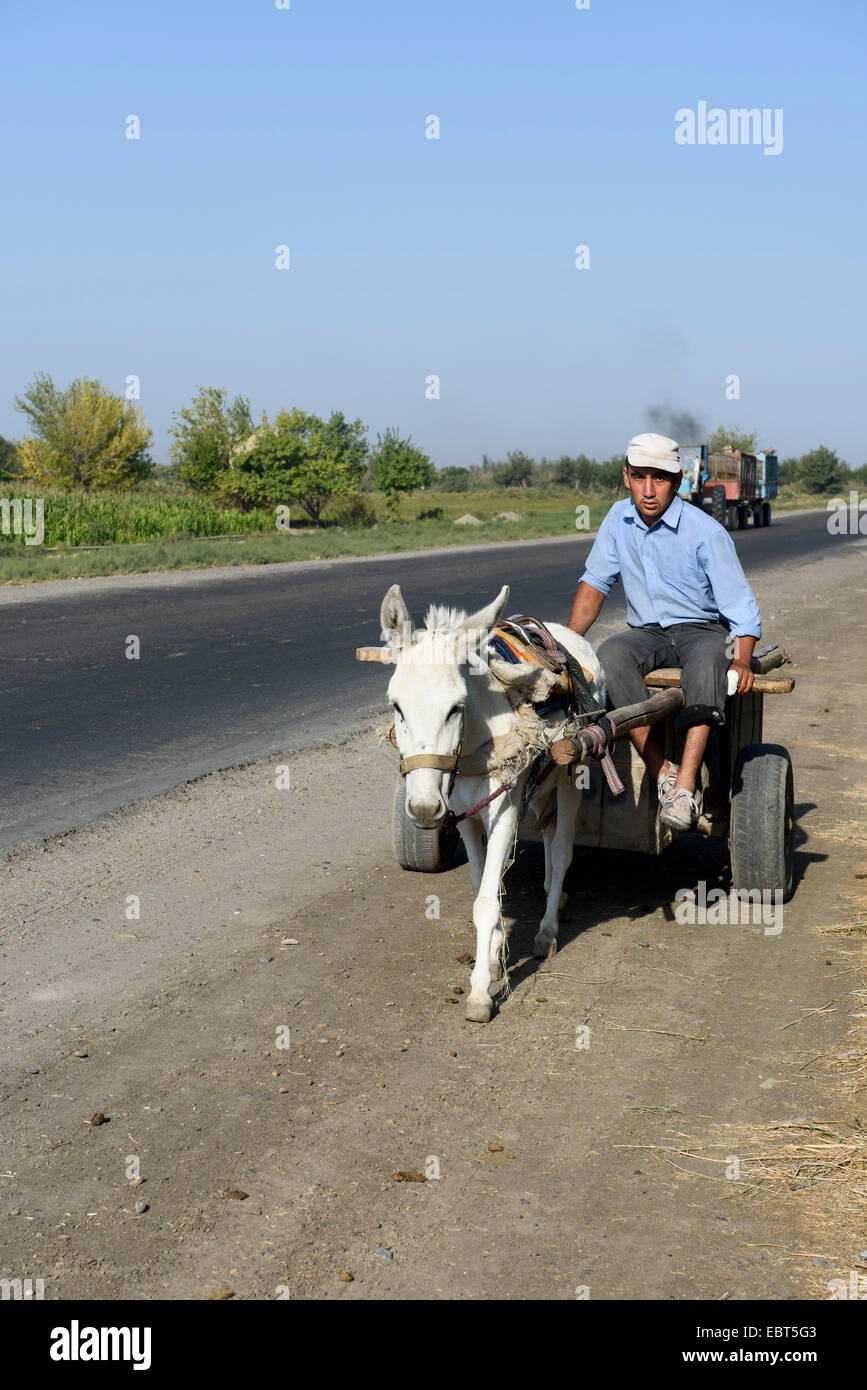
(451, 820)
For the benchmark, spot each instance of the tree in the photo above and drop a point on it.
(206, 435)
(857, 476)
(820, 470)
(10, 462)
(399, 466)
(300, 458)
(609, 475)
(734, 439)
(788, 471)
(85, 436)
(577, 472)
(517, 471)
(452, 479)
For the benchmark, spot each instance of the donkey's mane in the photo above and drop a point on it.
(440, 618)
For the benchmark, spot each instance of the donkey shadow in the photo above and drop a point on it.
(607, 885)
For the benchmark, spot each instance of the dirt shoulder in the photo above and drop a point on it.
(711, 1048)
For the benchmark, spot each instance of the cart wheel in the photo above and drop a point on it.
(766, 513)
(732, 516)
(425, 851)
(718, 504)
(762, 822)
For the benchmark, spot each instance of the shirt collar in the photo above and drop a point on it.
(670, 517)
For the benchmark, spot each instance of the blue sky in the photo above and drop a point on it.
(454, 257)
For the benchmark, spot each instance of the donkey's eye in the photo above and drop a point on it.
(398, 711)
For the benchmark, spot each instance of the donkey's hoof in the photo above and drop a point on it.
(544, 947)
(478, 1011)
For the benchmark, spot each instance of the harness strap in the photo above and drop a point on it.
(445, 762)
(537, 633)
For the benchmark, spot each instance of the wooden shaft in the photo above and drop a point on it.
(574, 745)
(763, 664)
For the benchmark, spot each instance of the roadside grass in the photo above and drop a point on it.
(164, 526)
(546, 515)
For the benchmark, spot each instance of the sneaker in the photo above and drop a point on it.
(665, 784)
(679, 809)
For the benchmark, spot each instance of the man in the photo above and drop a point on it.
(685, 594)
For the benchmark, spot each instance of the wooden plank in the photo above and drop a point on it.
(668, 677)
(382, 654)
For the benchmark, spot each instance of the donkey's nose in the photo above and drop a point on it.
(427, 813)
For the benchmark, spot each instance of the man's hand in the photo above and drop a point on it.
(741, 663)
(745, 676)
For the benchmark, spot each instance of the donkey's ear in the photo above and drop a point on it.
(486, 618)
(394, 619)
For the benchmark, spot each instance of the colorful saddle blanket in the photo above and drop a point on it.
(520, 639)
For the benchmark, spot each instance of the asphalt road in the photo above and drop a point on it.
(238, 665)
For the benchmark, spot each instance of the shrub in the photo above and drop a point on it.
(355, 511)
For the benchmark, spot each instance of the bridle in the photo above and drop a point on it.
(443, 762)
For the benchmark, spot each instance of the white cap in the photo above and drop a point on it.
(653, 451)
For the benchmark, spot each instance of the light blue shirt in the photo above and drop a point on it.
(682, 569)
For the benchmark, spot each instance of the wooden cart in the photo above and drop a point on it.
(747, 792)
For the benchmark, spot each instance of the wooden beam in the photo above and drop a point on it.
(668, 677)
(383, 654)
(574, 745)
(763, 664)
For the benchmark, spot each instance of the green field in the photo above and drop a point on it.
(166, 527)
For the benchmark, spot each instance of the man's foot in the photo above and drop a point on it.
(679, 809)
(665, 782)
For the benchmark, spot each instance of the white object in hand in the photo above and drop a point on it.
(732, 682)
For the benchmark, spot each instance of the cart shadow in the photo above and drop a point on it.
(606, 886)
(802, 857)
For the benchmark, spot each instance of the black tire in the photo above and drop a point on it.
(762, 821)
(424, 851)
(766, 513)
(758, 514)
(742, 516)
(732, 516)
(718, 504)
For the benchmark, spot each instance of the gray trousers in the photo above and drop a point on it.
(698, 648)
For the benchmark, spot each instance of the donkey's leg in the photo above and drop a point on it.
(568, 799)
(486, 912)
(495, 959)
(547, 838)
(472, 833)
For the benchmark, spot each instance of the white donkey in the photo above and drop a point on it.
(461, 737)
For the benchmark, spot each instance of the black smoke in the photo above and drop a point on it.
(681, 425)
